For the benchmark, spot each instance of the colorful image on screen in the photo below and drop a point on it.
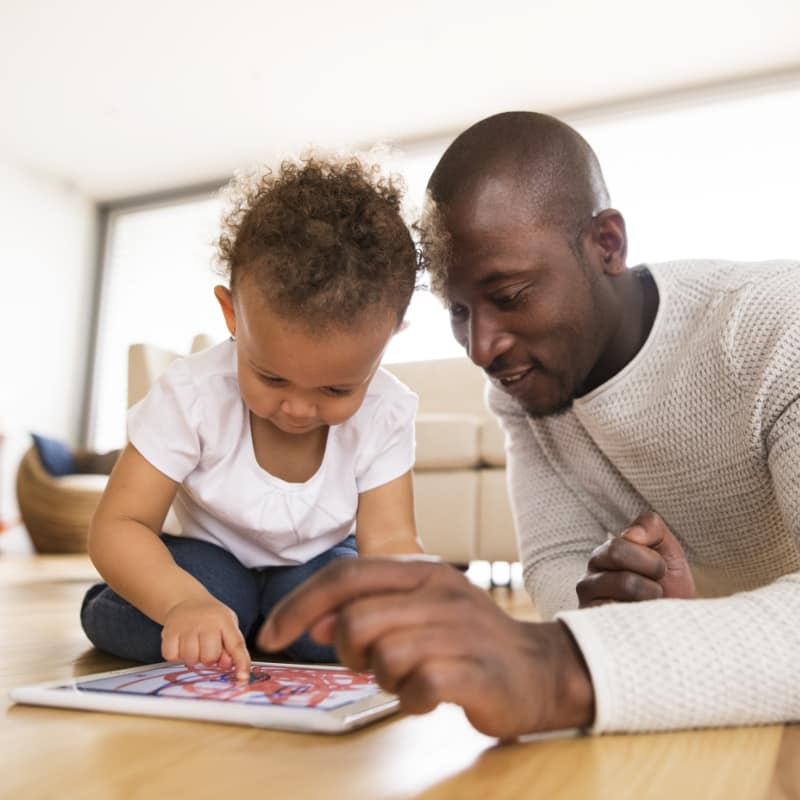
(296, 687)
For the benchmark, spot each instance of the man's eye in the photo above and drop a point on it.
(506, 301)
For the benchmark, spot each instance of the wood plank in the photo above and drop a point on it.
(786, 778)
(438, 756)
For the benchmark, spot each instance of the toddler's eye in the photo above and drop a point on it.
(333, 391)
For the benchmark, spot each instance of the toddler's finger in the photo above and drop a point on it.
(169, 648)
(189, 650)
(225, 661)
(236, 649)
(210, 648)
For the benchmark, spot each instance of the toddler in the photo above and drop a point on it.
(281, 449)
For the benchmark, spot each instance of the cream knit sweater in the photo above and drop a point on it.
(703, 427)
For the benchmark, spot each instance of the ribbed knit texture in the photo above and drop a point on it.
(703, 427)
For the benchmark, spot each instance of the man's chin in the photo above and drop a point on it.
(539, 410)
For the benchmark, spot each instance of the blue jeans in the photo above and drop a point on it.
(114, 625)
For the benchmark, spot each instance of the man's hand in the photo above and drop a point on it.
(645, 563)
(431, 637)
(205, 632)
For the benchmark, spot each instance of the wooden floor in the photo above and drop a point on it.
(50, 753)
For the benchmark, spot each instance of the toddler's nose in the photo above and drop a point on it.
(297, 408)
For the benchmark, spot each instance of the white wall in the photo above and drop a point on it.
(47, 233)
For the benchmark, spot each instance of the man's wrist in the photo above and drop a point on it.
(574, 693)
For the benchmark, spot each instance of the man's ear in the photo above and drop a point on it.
(225, 300)
(610, 240)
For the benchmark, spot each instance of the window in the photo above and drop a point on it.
(157, 287)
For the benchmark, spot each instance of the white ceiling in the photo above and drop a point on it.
(121, 97)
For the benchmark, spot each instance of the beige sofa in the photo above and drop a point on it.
(460, 478)
(461, 502)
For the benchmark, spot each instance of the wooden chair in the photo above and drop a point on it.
(56, 511)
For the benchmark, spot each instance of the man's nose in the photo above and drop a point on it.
(486, 340)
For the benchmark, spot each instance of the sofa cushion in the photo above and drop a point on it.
(492, 443)
(55, 456)
(447, 441)
(497, 540)
(446, 508)
(452, 387)
(444, 386)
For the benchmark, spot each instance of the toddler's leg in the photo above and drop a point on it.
(279, 581)
(114, 625)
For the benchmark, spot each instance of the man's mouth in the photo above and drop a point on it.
(511, 376)
(509, 379)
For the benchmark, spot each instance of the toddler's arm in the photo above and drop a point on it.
(127, 551)
(385, 519)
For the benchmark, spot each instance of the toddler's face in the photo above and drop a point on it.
(295, 379)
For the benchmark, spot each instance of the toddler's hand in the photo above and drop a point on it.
(645, 563)
(205, 632)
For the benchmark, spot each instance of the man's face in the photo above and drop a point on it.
(529, 309)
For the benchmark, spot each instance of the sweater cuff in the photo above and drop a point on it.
(590, 644)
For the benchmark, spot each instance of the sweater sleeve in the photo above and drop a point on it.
(556, 532)
(669, 664)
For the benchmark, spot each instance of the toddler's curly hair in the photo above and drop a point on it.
(323, 239)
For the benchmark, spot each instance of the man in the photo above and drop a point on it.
(652, 420)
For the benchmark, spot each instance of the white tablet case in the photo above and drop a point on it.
(296, 697)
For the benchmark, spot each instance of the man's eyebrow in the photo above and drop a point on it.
(497, 275)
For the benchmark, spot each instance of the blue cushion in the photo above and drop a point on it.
(56, 457)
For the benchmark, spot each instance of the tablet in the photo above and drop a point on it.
(295, 697)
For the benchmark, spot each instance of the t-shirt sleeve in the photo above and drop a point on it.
(164, 425)
(387, 450)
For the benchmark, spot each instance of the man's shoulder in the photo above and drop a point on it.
(695, 277)
(737, 294)
(748, 311)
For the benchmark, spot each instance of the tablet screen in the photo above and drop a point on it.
(323, 688)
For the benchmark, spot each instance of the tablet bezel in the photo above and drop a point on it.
(64, 693)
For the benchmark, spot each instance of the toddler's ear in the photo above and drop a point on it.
(225, 300)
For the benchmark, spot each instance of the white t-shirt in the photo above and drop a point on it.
(195, 428)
